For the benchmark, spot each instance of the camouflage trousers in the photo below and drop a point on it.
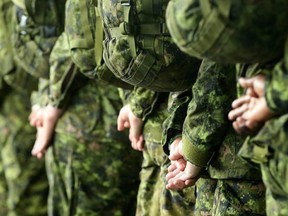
(275, 177)
(229, 197)
(23, 182)
(96, 177)
(3, 190)
(153, 198)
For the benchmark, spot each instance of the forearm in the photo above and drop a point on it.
(63, 74)
(173, 124)
(142, 101)
(206, 122)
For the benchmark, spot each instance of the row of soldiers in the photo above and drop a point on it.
(76, 73)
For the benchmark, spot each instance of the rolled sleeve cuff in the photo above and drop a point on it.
(194, 155)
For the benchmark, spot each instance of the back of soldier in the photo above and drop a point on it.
(98, 168)
(229, 31)
(25, 177)
(138, 48)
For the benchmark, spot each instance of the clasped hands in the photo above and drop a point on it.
(181, 173)
(250, 111)
(45, 120)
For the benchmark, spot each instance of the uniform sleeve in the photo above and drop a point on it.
(142, 101)
(64, 75)
(276, 85)
(41, 96)
(177, 109)
(206, 123)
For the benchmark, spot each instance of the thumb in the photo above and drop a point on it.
(246, 82)
(136, 125)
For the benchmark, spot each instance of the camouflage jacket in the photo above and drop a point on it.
(5, 45)
(229, 31)
(11, 75)
(273, 135)
(138, 48)
(276, 86)
(142, 101)
(87, 103)
(208, 137)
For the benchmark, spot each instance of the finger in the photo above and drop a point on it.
(136, 127)
(38, 123)
(39, 145)
(241, 128)
(179, 184)
(126, 125)
(180, 164)
(246, 82)
(171, 175)
(238, 127)
(172, 167)
(174, 156)
(120, 123)
(241, 100)
(174, 183)
(190, 182)
(252, 124)
(133, 143)
(140, 143)
(40, 155)
(235, 113)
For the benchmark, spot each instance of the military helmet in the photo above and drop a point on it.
(229, 31)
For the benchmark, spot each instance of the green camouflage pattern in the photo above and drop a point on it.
(5, 45)
(97, 173)
(32, 44)
(25, 175)
(275, 89)
(153, 198)
(43, 12)
(229, 197)
(173, 124)
(156, 63)
(207, 133)
(62, 85)
(92, 177)
(142, 101)
(80, 27)
(82, 52)
(269, 148)
(229, 31)
(23, 182)
(274, 174)
(6, 65)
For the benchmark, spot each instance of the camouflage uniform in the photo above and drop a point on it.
(269, 146)
(209, 141)
(25, 177)
(145, 104)
(153, 197)
(229, 31)
(6, 65)
(139, 50)
(97, 173)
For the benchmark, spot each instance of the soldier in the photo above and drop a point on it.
(145, 104)
(24, 177)
(139, 50)
(229, 31)
(207, 151)
(240, 37)
(144, 114)
(262, 113)
(91, 168)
